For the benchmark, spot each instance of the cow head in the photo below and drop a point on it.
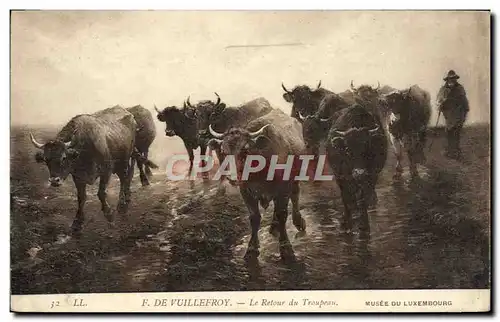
(239, 143)
(216, 114)
(365, 93)
(314, 129)
(206, 109)
(58, 156)
(396, 100)
(350, 148)
(304, 99)
(181, 122)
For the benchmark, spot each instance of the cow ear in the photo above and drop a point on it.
(161, 117)
(39, 157)
(190, 112)
(72, 153)
(287, 97)
(338, 142)
(214, 143)
(260, 142)
(219, 108)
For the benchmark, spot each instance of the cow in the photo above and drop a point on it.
(356, 152)
(369, 97)
(315, 126)
(88, 147)
(304, 99)
(406, 115)
(145, 135)
(222, 117)
(274, 134)
(185, 123)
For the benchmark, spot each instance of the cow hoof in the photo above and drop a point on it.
(372, 205)
(145, 183)
(109, 216)
(300, 234)
(122, 208)
(364, 229)
(76, 227)
(301, 226)
(346, 229)
(252, 254)
(221, 190)
(273, 229)
(286, 252)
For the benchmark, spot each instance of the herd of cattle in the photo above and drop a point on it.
(355, 128)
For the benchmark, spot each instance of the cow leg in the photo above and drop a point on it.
(253, 208)
(398, 152)
(297, 219)
(413, 166)
(81, 190)
(372, 200)
(203, 151)
(346, 224)
(101, 194)
(147, 169)
(140, 166)
(281, 213)
(363, 208)
(191, 158)
(125, 172)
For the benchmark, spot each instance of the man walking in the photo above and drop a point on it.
(453, 103)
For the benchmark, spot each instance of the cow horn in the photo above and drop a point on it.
(218, 141)
(325, 120)
(215, 134)
(378, 86)
(68, 144)
(374, 130)
(319, 85)
(340, 133)
(35, 142)
(188, 102)
(302, 117)
(258, 132)
(218, 99)
(284, 88)
(352, 86)
(156, 109)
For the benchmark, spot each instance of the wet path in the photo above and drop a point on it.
(179, 237)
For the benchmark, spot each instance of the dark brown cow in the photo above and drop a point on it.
(145, 135)
(90, 147)
(304, 99)
(357, 152)
(406, 116)
(274, 134)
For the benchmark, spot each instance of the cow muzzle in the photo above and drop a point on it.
(55, 181)
(169, 132)
(358, 173)
(234, 183)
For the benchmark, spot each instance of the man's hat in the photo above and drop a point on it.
(451, 75)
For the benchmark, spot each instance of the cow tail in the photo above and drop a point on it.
(147, 169)
(148, 163)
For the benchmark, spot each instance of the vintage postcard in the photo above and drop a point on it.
(250, 161)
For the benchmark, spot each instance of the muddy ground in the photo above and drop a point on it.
(175, 237)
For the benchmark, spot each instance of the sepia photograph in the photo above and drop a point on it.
(194, 161)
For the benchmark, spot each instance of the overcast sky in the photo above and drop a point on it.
(68, 63)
